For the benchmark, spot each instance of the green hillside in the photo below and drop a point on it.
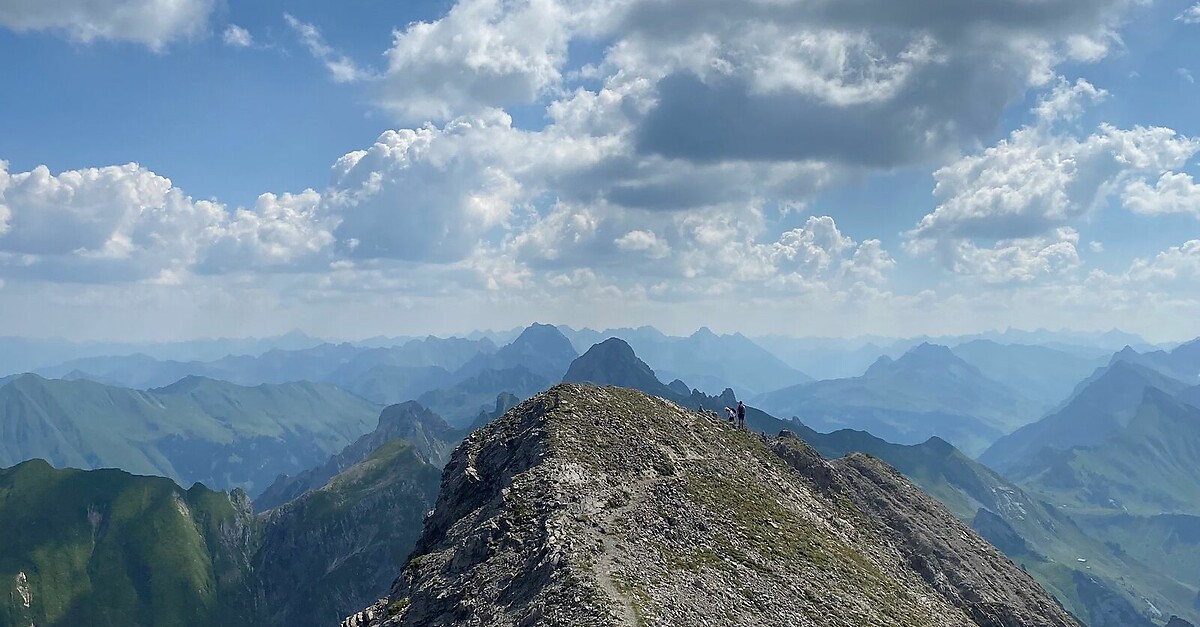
(106, 548)
(195, 430)
(1101, 406)
(1151, 466)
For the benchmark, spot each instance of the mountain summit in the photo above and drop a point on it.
(605, 506)
(613, 362)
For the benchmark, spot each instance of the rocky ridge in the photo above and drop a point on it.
(605, 506)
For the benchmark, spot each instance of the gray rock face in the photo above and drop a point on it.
(604, 506)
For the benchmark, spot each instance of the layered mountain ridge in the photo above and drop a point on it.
(605, 506)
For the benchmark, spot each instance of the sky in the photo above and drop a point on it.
(172, 169)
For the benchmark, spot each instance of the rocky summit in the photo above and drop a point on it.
(605, 506)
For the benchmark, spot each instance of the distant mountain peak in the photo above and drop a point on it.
(613, 362)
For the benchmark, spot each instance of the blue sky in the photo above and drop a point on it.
(176, 169)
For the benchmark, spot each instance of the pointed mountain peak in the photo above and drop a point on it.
(408, 416)
(190, 383)
(704, 333)
(1125, 354)
(542, 338)
(881, 365)
(926, 350)
(613, 362)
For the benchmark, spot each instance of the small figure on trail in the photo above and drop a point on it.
(741, 414)
(730, 414)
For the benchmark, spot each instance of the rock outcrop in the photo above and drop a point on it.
(604, 506)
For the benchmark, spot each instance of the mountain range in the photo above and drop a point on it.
(707, 361)
(1095, 500)
(605, 506)
(1109, 588)
(928, 391)
(1101, 406)
(195, 430)
(110, 549)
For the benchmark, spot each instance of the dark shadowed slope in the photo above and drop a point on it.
(339, 546)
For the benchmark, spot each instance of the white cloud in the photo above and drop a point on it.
(1041, 179)
(645, 242)
(1067, 101)
(1180, 264)
(1191, 15)
(429, 194)
(153, 23)
(287, 232)
(1019, 260)
(1175, 192)
(482, 54)
(125, 223)
(237, 37)
(343, 69)
(1186, 75)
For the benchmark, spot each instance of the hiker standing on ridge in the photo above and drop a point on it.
(741, 414)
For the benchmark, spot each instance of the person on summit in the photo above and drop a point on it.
(741, 414)
(730, 414)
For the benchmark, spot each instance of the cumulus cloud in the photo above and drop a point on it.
(429, 194)
(286, 231)
(482, 54)
(153, 23)
(342, 68)
(860, 83)
(1040, 180)
(125, 223)
(1191, 15)
(237, 37)
(1019, 260)
(711, 252)
(645, 242)
(1179, 264)
(1175, 192)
